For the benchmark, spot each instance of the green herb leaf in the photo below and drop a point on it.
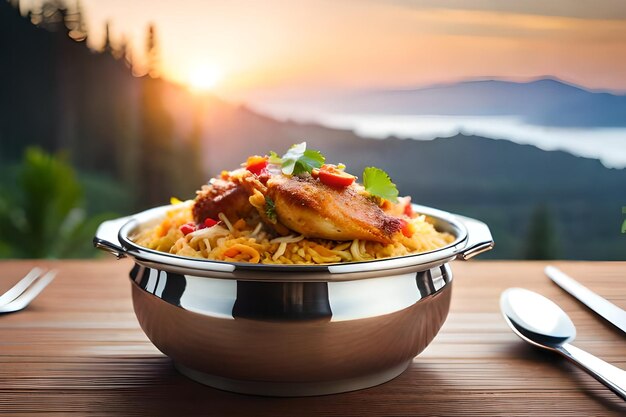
(378, 183)
(299, 160)
(274, 158)
(270, 209)
(311, 159)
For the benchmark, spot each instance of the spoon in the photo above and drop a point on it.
(540, 322)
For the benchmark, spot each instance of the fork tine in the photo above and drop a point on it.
(29, 295)
(20, 287)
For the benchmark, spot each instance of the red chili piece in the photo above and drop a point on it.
(256, 164)
(408, 209)
(334, 177)
(407, 228)
(188, 228)
(209, 222)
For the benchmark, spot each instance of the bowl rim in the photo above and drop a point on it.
(452, 223)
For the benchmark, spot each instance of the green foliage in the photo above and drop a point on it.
(378, 183)
(42, 213)
(541, 242)
(299, 159)
(104, 194)
(624, 223)
(270, 209)
(275, 159)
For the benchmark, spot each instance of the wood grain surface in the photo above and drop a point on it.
(78, 349)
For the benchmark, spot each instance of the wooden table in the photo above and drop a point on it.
(78, 348)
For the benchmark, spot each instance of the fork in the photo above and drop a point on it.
(25, 291)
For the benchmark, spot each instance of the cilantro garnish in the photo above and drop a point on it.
(378, 183)
(274, 158)
(298, 160)
(270, 208)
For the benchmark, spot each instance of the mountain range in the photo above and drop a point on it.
(545, 102)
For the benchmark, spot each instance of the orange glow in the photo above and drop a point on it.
(204, 78)
(324, 44)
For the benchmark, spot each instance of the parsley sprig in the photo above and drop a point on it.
(298, 160)
(377, 182)
(270, 209)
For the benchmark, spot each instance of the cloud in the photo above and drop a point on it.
(581, 9)
(456, 22)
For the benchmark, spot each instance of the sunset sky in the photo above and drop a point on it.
(246, 49)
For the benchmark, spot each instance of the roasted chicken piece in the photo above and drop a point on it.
(316, 210)
(221, 196)
(257, 190)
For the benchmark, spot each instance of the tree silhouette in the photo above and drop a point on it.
(152, 52)
(541, 242)
(108, 48)
(60, 95)
(156, 126)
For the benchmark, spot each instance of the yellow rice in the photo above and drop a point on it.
(238, 240)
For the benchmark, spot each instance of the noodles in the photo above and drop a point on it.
(294, 209)
(280, 251)
(287, 239)
(244, 240)
(226, 222)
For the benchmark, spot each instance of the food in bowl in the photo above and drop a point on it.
(294, 209)
(290, 329)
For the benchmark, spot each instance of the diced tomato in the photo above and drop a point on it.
(209, 222)
(334, 177)
(188, 228)
(407, 228)
(408, 209)
(256, 164)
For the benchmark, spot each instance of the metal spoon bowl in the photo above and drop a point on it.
(542, 323)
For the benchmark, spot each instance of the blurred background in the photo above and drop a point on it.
(510, 112)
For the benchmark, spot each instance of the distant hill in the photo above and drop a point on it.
(546, 102)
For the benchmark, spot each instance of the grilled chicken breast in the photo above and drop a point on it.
(315, 210)
(221, 196)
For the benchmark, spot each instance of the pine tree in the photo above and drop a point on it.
(157, 132)
(107, 48)
(152, 53)
(541, 241)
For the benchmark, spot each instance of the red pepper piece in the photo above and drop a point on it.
(209, 222)
(256, 164)
(188, 228)
(334, 177)
(407, 228)
(408, 209)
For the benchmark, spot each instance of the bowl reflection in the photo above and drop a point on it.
(290, 338)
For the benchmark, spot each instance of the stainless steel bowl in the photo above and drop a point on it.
(285, 330)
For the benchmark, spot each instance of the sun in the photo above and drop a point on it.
(204, 78)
